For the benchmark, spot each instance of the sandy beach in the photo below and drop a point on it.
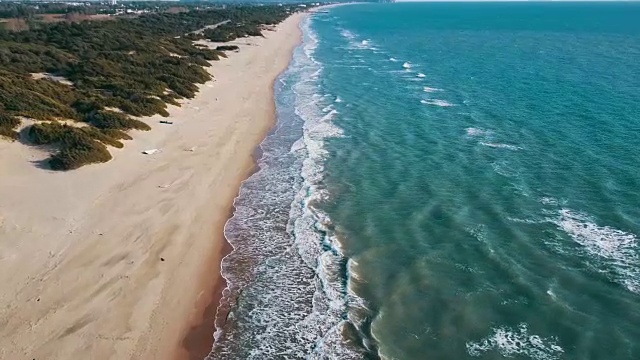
(121, 260)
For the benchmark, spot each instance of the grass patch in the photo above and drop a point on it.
(227, 48)
(7, 125)
(77, 146)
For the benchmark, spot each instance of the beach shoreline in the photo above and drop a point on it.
(122, 260)
(198, 338)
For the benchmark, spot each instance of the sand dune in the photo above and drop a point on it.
(107, 261)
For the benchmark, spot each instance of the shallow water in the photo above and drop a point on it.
(446, 181)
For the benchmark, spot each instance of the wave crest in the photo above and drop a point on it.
(509, 342)
(616, 250)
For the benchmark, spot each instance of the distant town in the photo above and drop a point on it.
(23, 15)
(18, 16)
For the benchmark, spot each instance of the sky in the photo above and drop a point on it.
(517, 0)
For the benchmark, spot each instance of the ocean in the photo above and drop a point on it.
(445, 181)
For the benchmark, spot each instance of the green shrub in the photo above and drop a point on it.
(83, 152)
(45, 133)
(8, 121)
(113, 120)
(9, 134)
(200, 61)
(227, 48)
(102, 137)
(116, 134)
(87, 105)
(170, 99)
(77, 146)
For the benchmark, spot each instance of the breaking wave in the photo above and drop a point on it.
(500, 146)
(436, 102)
(616, 253)
(430, 89)
(509, 342)
(286, 292)
(471, 131)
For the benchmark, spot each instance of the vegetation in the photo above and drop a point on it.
(77, 146)
(7, 125)
(227, 48)
(101, 73)
(231, 31)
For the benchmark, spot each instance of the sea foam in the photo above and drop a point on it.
(347, 34)
(500, 146)
(471, 131)
(285, 262)
(616, 252)
(428, 89)
(437, 102)
(509, 342)
(354, 43)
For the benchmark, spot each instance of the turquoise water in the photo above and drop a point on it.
(446, 181)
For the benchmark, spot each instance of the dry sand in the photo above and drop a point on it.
(80, 251)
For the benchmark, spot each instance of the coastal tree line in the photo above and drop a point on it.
(111, 71)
